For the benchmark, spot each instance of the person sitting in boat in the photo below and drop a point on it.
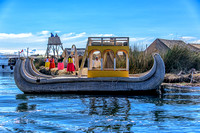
(60, 63)
(96, 63)
(52, 35)
(52, 64)
(47, 63)
(70, 65)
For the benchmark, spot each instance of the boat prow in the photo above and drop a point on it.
(29, 80)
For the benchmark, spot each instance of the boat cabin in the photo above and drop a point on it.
(108, 57)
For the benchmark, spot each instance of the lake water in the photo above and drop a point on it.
(175, 111)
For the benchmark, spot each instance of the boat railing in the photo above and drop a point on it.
(108, 41)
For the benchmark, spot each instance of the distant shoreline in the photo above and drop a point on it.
(174, 80)
(180, 85)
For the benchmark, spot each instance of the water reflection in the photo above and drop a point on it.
(106, 112)
(113, 112)
(23, 107)
(97, 113)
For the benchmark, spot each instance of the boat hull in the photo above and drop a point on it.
(108, 85)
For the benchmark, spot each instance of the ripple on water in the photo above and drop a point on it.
(175, 111)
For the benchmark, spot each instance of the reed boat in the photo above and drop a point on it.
(101, 80)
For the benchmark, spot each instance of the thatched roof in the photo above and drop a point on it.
(194, 46)
(171, 43)
(163, 45)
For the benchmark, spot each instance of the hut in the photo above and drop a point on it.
(163, 45)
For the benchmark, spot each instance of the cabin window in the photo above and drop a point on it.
(108, 60)
(121, 60)
(94, 62)
(2, 66)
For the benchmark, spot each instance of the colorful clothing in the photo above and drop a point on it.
(60, 66)
(70, 65)
(47, 63)
(52, 64)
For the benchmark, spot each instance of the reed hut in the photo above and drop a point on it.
(163, 45)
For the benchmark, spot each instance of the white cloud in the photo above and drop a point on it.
(45, 32)
(57, 31)
(137, 39)
(102, 35)
(196, 41)
(13, 36)
(72, 36)
(66, 35)
(187, 38)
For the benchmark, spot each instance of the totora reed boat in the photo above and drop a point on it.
(105, 79)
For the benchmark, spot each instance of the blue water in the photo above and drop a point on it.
(178, 110)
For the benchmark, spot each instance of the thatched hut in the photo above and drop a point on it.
(163, 45)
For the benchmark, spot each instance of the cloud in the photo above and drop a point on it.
(102, 35)
(14, 36)
(141, 40)
(66, 35)
(57, 31)
(196, 41)
(72, 36)
(187, 38)
(45, 32)
(137, 39)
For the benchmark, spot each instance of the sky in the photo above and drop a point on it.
(28, 23)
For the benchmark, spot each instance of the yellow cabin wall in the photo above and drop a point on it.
(107, 73)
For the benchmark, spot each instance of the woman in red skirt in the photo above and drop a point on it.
(52, 64)
(70, 65)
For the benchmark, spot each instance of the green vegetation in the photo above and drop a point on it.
(138, 62)
(181, 58)
(121, 61)
(176, 59)
(39, 62)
